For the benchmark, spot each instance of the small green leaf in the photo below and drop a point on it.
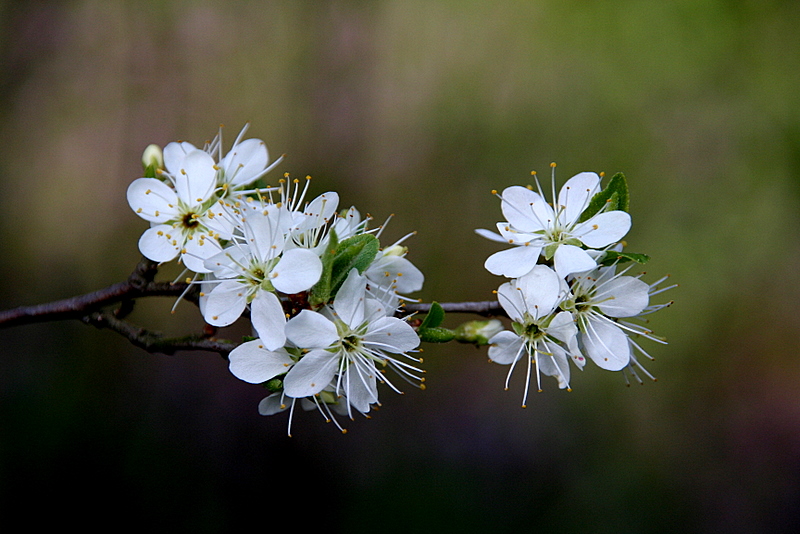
(339, 258)
(356, 252)
(434, 318)
(615, 195)
(611, 257)
(436, 335)
(321, 292)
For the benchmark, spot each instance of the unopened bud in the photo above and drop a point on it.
(478, 332)
(152, 158)
(396, 250)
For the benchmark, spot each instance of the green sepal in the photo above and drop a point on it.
(519, 328)
(611, 257)
(274, 385)
(615, 195)
(151, 171)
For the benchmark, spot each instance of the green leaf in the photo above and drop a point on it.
(436, 335)
(615, 195)
(321, 292)
(434, 318)
(356, 252)
(611, 257)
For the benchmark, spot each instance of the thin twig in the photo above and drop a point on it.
(89, 308)
(154, 341)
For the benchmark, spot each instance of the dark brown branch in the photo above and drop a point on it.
(89, 308)
(154, 341)
(490, 308)
(139, 284)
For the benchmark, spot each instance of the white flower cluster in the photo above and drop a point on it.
(565, 297)
(321, 292)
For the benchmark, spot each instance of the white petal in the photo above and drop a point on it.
(513, 262)
(541, 290)
(267, 316)
(349, 301)
(225, 303)
(245, 162)
(196, 179)
(174, 153)
(511, 300)
(526, 210)
(361, 386)
(396, 272)
(603, 229)
(626, 296)
(570, 259)
(392, 335)
(252, 363)
(297, 270)
(153, 200)
(505, 347)
(555, 364)
(488, 234)
(311, 330)
(576, 193)
(160, 243)
(272, 404)
(607, 345)
(197, 250)
(563, 327)
(311, 374)
(322, 208)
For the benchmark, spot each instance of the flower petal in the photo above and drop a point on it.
(272, 404)
(606, 344)
(392, 335)
(603, 229)
(245, 162)
(159, 244)
(225, 303)
(513, 262)
(297, 270)
(625, 296)
(570, 259)
(311, 374)
(174, 153)
(349, 301)
(541, 290)
(266, 314)
(152, 200)
(311, 330)
(196, 180)
(360, 385)
(526, 210)
(252, 363)
(505, 347)
(575, 195)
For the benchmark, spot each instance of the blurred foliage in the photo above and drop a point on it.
(417, 109)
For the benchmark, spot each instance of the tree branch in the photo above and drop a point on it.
(139, 284)
(89, 308)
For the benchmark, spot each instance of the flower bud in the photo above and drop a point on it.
(478, 332)
(152, 160)
(396, 250)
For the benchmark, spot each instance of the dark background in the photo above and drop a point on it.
(418, 109)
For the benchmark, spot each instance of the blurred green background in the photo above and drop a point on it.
(418, 109)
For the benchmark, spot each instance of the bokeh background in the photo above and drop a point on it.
(417, 109)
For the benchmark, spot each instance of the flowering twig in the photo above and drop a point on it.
(90, 309)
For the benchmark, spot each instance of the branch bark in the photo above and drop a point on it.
(90, 308)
